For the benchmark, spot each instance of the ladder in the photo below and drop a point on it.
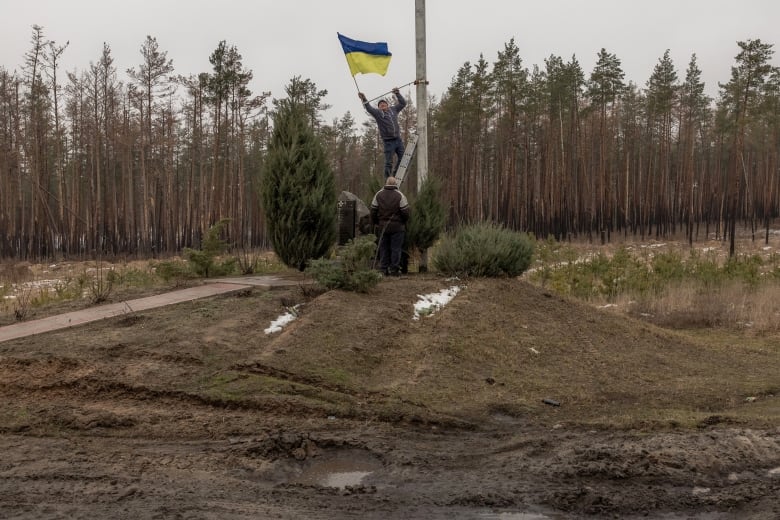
(406, 159)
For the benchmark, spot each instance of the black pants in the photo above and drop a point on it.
(390, 246)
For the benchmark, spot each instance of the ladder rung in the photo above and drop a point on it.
(411, 145)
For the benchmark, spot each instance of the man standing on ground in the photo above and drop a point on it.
(386, 117)
(390, 211)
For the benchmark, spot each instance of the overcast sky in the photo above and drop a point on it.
(279, 39)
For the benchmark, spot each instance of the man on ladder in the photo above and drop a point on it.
(386, 117)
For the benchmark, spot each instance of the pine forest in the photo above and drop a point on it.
(144, 161)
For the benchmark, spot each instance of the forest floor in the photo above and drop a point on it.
(358, 410)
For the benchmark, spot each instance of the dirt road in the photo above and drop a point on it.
(192, 411)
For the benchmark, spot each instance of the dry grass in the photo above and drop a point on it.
(752, 307)
(732, 306)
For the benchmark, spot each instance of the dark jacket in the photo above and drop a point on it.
(390, 208)
(387, 122)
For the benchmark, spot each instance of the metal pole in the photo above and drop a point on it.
(422, 94)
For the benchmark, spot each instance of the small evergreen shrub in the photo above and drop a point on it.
(174, 271)
(669, 265)
(484, 249)
(351, 269)
(427, 216)
(705, 269)
(132, 277)
(204, 261)
(746, 268)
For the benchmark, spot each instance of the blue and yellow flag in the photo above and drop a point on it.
(365, 57)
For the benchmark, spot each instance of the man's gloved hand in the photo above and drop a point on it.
(362, 97)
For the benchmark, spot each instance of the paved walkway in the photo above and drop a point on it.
(210, 288)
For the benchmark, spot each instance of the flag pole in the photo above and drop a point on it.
(390, 91)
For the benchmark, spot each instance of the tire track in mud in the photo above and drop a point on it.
(426, 416)
(72, 383)
(77, 381)
(85, 387)
(266, 370)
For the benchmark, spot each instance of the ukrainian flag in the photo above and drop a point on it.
(365, 57)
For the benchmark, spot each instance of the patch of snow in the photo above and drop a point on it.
(430, 303)
(42, 284)
(279, 323)
(774, 472)
(607, 306)
(700, 490)
(533, 350)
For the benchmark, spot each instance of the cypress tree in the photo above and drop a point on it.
(298, 189)
(427, 218)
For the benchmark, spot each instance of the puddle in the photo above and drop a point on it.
(343, 479)
(338, 470)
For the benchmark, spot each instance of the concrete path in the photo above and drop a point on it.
(210, 288)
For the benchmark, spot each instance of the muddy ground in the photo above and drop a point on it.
(356, 410)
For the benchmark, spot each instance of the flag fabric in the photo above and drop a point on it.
(365, 57)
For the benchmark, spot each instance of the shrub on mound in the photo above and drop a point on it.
(484, 249)
(350, 270)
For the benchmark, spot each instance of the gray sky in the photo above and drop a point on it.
(280, 39)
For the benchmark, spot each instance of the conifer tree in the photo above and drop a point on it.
(694, 111)
(427, 218)
(662, 96)
(604, 88)
(741, 97)
(298, 189)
